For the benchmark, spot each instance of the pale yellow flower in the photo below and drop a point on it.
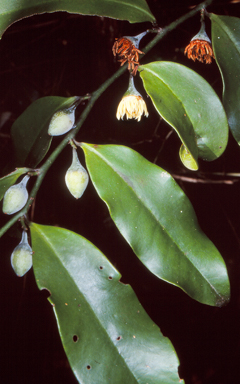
(133, 106)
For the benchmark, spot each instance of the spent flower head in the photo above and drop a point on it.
(200, 47)
(127, 50)
(132, 104)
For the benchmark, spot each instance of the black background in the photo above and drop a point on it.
(66, 55)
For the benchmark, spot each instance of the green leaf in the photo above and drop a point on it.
(135, 11)
(158, 221)
(30, 131)
(225, 40)
(107, 335)
(7, 181)
(190, 105)
(187, 159)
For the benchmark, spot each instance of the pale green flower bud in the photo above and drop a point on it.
(76, 177)
(62, 122)
(15, 197)
(21, 258)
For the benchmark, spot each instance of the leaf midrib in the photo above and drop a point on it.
(156, 219)
(50, 245)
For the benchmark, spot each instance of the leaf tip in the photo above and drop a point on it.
(222, 301)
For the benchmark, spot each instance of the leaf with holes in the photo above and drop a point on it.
(8, 180)
(135, 11)
(107, 335)
(158, 221)
(225, 40)
(30, 131)
(190, 105)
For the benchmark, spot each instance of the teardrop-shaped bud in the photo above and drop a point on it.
(62, 122)
(21, 258)
(76, 177)
(15, 197)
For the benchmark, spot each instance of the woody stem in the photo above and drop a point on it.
(95, 95)
(175, 24)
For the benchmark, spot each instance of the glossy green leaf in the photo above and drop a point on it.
(30, 131)
(107, 335)
(187, 159)
(225, 41)
(190, 105)
(158, 221)
(7, 181)
(134, 11)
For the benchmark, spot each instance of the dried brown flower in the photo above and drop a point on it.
(200, 50)
(127, 52)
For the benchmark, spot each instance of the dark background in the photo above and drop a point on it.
(66, 55)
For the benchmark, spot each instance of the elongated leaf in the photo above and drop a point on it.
(134, 11)
(107, 335)
(190, 105)
(30, 131)
(158, 221)
(8, 180)
(225, 40)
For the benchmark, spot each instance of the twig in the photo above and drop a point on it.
(203, 181)
(175, 24)
(95, 95)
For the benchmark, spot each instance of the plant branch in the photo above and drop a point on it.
(94, 96)
(175, 24)
(204, 181)
(43, 170)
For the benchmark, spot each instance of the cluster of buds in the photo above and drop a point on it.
(15, 198)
